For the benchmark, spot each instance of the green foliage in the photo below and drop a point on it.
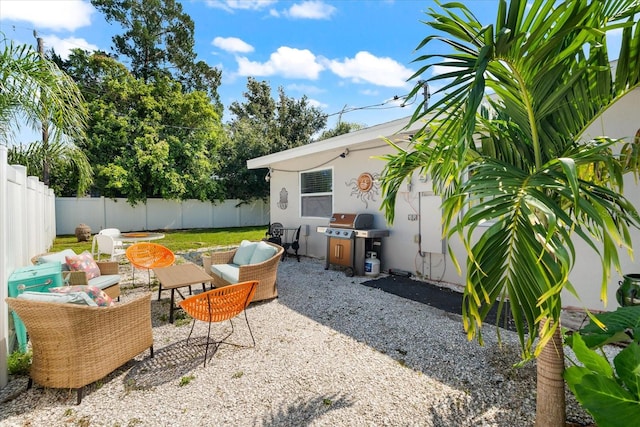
(146, 139)
(158, 40)
(69, 169)
(517, 179)
(34, 91)
(515, 163)
(19, 363)
(245, 141)
(620, 326)
(611, 396)
(186, 380)
(340, 129)
(262, 126)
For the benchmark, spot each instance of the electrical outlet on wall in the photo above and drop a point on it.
(413, 217)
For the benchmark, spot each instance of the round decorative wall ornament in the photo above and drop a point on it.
(365, 182)
(365, 187)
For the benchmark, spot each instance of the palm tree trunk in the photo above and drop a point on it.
(550, 400)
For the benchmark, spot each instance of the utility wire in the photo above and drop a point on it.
(379, 106)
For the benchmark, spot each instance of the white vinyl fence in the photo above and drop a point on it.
(155, 214)
(31, 217)
(27, 227)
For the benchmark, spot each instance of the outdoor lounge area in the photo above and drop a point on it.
(328, 351)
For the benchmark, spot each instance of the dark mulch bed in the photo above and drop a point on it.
(433, 295)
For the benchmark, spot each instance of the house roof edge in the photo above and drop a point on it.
(369, 134)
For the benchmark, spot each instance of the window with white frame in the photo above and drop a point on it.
(316, 193)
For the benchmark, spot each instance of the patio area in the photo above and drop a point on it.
(329, 351)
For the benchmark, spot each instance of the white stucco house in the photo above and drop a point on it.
(311, 182)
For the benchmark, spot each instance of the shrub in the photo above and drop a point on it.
(19, 363)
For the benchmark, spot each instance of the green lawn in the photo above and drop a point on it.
(180, 240)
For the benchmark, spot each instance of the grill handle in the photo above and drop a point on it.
(337, 252)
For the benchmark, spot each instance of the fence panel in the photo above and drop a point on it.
(31, 217)
(156, 214)
(27, 227)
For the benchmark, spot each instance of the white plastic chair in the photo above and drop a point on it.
(104, 244)
(113, 232)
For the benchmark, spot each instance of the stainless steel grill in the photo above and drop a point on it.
(349, 236)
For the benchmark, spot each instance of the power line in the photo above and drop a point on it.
(379, 106)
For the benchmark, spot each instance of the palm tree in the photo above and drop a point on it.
(515, 160)
(33, 91)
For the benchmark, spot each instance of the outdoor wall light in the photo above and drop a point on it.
(268, 176)
(345, 153)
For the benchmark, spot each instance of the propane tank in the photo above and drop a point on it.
(372, 264)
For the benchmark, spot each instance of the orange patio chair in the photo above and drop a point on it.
(144, 255)
(218, 305)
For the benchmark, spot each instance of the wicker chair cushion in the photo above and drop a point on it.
(69, 298)
(84, 262)
(57, 257)
(262, 253)
(104, 281)
(244, 252)
(227, 272)
(100, 298)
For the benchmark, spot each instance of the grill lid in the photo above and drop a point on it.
(351, 220)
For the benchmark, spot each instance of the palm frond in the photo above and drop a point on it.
(516, 177)
(35, 90)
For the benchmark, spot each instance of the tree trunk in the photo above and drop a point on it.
(550, 399)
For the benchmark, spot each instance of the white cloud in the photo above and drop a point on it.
(438, 70)
(232, 44)
(231, 5)
(50, 14)
(365, 67)
(305, 89)
(317, 104)
(64, 46)
(286, 62)
(311, 10)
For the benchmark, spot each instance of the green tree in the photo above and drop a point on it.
(340, 129)
(261, 126)
(146, 139)
(520, 166)
(158, 41)
(68, 165)
(34, 90)
(244, 141)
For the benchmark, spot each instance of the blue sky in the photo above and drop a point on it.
(351, 55)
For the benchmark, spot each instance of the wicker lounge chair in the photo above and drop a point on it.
(109, 276)
(75, 345)
(218, 305)
(265, 272)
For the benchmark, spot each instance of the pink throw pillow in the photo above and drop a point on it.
(84, 262)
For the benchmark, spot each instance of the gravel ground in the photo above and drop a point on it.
(329, 352)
